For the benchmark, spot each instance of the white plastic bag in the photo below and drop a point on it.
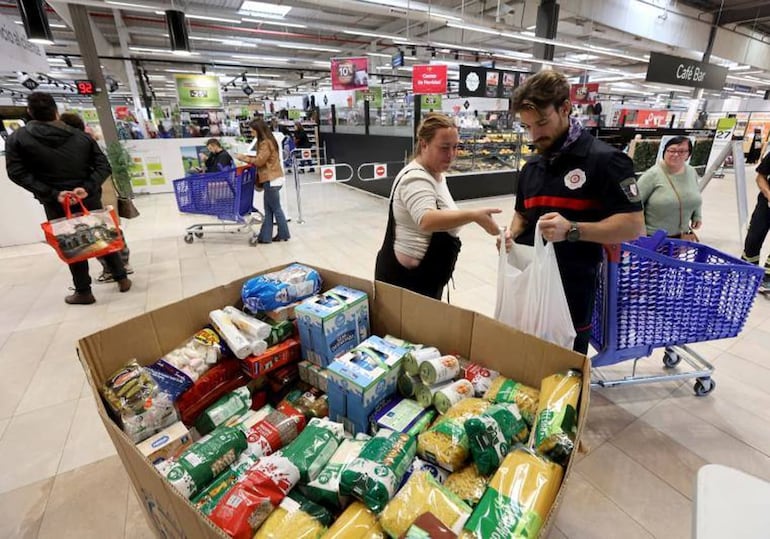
(532, 299)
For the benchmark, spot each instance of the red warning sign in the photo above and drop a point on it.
(307, 154)
(328, 174)
(380, 171)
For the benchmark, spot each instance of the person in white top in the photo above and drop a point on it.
(421, 241)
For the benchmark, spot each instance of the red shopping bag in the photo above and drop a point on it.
(90, 234)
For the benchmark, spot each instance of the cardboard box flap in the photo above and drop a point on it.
(385, 310)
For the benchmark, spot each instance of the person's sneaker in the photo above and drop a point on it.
(129, 269)
(124, 285)
(80, 298)
(764, 286)
(106, 278)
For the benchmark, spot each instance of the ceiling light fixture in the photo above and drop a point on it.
(35, 21)
(263, 9)
(275, 23)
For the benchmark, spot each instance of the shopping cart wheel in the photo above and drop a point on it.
(253, 241)
(199, 235)
(188, 238)
(704, 386)
(671, 359)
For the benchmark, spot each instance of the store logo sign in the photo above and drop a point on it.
(685, 72)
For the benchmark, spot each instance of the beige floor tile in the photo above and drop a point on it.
(752, 346)
(747, 372)
(54, 382)
(32, 445)
(651, 502)
(17, 374)
(666, 458)
(136, 523)
(605, 420)
(606, 519)
(3, 425)
(556, 533)
(88, 441)
(22, 509)
(104, 485)
(30, 344)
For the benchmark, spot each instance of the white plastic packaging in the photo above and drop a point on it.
(237, 342)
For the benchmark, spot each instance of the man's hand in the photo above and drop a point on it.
(80, 192)
(63, 196)
(483, 218)
(554, 227)
(508, 241)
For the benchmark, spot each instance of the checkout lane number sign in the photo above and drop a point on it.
(328, 174)
(380, 171)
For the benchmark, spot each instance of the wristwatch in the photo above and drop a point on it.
(573, 234)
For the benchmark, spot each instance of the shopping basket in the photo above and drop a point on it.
(659, 292)
(227, 195)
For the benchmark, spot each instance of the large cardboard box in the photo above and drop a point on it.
(393, 310)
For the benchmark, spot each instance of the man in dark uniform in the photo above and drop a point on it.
(760, 223)
(53, 161)
(218, 158)
(582, 191)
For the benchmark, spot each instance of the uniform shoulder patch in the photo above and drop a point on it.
(630, 189)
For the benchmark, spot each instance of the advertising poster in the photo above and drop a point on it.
(480, 81)
(429, 79)
(155, 170)
(584, 94)
(198, 91)
(191, 159)
(350, 73)
(492, 83)
(509, 84)
(373, 95)
(137, 173)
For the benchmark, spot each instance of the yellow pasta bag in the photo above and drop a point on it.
(423, 494)
(518, 499)
(503, 390)
(296, 517)
(556, 422)
(445, 443)
(356, 522)
(468, 484)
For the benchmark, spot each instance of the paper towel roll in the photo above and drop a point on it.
(237, 342)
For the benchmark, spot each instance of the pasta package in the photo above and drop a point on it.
(556, 422)
(208, 498)
(325, 489)
(445, 443)
(490, 435)
(314, 447)
(296, 517)
(504, 389)
(468, 484)
(518, 499)
(356, 522)
(423, 494)
(375, 474)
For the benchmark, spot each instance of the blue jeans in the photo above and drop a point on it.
(273, 210)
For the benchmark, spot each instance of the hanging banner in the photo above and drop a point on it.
(198, 91)
(350, 73)
(17, 52)
(722, 137)
(584, 94)
(685, 72)
(480, 81)
(429, 79)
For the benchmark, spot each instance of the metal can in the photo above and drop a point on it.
(413, 358)
(423, 393)
(447, 396)
(441, 369)
(406, 383)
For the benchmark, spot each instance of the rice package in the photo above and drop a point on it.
(518, 499)
(235, 403)
(281, 288)
(325, 489)
(423, 494)
(296, 517)
(278, 429)
(200, 463)
(556, 423)
(504, 389)
(206, 500)
(490, 435)
(251, 500)
(468, 484)
(314, 447)
(356, 522)
(445, 443)
(480, 377)
(374, 476)
(134, 396)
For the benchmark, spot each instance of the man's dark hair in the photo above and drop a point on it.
(41, 106)
(214, 141)
(678, 140)
(540, 91)
(73, 120)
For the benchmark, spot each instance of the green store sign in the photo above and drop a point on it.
(373, 95)
(198, 92)
(430, 101)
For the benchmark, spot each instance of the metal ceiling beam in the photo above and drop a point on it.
(745, 15)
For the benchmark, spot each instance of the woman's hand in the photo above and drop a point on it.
(483, 218)
(695, 225)
(508, 241)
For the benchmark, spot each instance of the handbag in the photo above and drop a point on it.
(690, 235)
(80, 236)
(533, 300)
(127, 209)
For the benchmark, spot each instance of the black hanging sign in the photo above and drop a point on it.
(685, 72)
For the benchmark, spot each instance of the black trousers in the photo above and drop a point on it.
(81, 278)
(758, 229)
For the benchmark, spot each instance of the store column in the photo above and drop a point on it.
(546, 25)
(82, 27)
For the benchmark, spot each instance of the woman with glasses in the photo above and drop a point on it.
(670, 194)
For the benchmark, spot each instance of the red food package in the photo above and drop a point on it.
(251, 500)
(275, 431)
(290, 410)
(222, 378)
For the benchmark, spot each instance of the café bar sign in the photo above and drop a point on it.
(685, 72)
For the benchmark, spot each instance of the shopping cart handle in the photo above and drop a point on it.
(652, 243)
(613, 252)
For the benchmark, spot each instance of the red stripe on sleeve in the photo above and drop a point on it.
(562, 202)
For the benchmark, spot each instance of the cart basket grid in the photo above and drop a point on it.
(227, 195)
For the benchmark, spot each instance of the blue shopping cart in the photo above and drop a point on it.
(227, 195)
(659, 292)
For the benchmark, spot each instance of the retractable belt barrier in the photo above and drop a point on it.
(383, 170)
(327, 173)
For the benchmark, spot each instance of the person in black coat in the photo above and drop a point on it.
(218, 158)
(52, 161)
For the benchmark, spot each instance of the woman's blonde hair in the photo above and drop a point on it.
(429, 126)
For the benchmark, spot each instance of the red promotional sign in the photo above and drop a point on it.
(429, 79)
(350, 73)
(583, 94)
(643, 118)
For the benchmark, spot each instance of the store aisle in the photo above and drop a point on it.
(59, 473)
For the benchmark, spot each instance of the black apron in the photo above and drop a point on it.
(435, 269)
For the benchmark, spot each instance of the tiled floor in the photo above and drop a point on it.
(59, 473)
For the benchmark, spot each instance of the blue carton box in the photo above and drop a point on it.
(332, 323)
(337, 402)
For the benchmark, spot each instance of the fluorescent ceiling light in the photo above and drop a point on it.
(264, 9)
(532, 27)
(128, 4)
(54, 25)
(173, 70)
(263, 58)
(300, 46)
(210, 18)
(480, 29)
(380, 54)
(276, 23)
(370, 34)
(580, 57)
(444, 16)
(739, 68)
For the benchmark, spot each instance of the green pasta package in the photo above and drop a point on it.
(374, 476)
(297, 518)
(490, 435)
(325, 489)
(445, 443)
(504, 389)
(556, 424)
(313, 448)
